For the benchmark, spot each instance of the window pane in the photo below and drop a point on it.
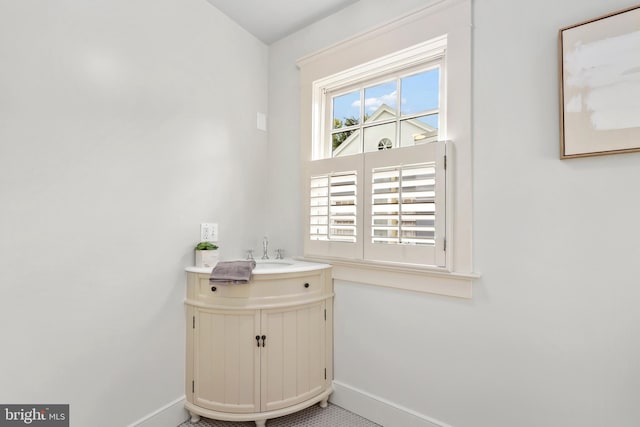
(380, 102)
(345, 143)
(346, 110)
(421, 92)
(380, 137)
(419, 130)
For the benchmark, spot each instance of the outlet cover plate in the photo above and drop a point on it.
(208, 232)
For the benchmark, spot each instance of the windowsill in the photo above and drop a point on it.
(409, 277)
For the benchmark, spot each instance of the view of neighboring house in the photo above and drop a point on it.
(383, 136)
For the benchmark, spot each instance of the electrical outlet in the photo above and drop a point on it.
(208, 232)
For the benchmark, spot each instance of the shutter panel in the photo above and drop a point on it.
(333, 207)
(403, 204)
(405, 194)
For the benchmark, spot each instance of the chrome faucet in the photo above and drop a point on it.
(265, 246)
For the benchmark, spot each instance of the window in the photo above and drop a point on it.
(379, 139)
(386, 153)
(400, 112)
(385, 144)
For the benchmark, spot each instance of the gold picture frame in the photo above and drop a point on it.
(599, 64)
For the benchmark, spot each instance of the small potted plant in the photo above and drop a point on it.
(206, 254)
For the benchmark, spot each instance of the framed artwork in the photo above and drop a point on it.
(600, 85)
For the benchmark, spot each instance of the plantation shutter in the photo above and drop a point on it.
(405, 206)
(333, 207)
(384, 206)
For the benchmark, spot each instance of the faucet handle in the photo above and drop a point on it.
(265, 246)
(250, 254)
(279, 253)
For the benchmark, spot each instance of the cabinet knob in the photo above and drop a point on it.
(257, 340)
(213, 289)
(264, 339)
(306, 285)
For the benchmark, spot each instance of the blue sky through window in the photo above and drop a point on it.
(383, 94)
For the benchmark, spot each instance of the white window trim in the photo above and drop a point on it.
(445, 17)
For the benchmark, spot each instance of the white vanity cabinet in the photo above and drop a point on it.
(259, 350)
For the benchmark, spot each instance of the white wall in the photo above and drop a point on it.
(123, 125)
(550, 337)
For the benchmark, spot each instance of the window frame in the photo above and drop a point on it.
(422, 57)
(452, 18)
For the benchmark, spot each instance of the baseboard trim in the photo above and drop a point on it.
(170, 415)
(378, 409)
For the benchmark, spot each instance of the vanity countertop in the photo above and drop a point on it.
(273, 266)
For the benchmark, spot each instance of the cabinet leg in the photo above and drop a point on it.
(261, 423)
(194, 418)
(323, 403)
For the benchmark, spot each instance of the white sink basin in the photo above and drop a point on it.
(266, 264)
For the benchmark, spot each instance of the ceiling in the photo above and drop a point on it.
(271, 20)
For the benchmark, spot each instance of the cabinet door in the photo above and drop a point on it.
(227, 360)
(293, 365)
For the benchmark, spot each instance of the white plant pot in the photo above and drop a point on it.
(206, 258)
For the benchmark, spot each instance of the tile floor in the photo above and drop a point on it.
(314, 416)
